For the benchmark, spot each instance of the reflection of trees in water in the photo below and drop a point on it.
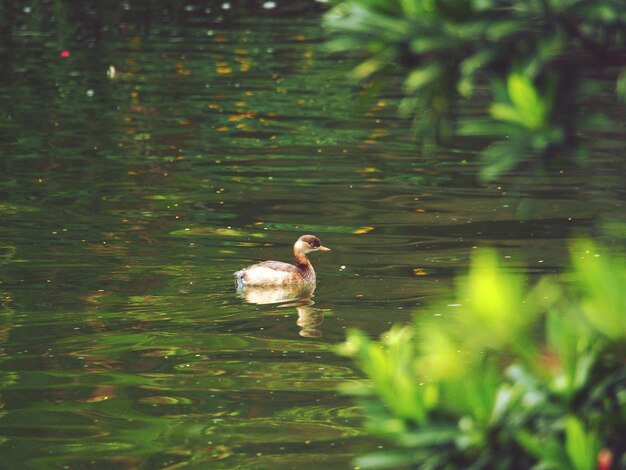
(297, 296)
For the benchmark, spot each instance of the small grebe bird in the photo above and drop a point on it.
(276, 273)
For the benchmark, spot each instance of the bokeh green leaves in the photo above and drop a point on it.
(537, 62)
(519, 376)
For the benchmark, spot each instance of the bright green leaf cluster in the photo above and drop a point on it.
(519, 377)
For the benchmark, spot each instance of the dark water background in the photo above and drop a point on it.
(150, 149)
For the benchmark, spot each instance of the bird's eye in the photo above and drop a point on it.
(315, 244)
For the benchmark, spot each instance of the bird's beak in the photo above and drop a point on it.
(323, 248)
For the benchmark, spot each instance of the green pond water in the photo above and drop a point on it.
(150, 150)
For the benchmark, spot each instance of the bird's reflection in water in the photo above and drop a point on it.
(296, 296)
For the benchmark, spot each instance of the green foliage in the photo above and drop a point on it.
(535, 57)
(519, 377)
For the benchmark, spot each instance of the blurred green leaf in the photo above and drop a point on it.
(432, 435)
(423, 76)
(411, 8)
(484, 127)
(384, 460)
(582, 446)
(368, 68)
(473, 63)
(493, 302)
(552, 44)
(499, 30)
(563, 341)
(439, 43)
(549, 451)
(506, 112)
(530, 106)
(601, 278)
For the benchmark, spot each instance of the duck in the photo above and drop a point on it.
(277, 273)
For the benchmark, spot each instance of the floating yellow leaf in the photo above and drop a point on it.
(239, 117)
(368, 169)
(378, 132)
(419, 272)
(362, 230)
(181, 70)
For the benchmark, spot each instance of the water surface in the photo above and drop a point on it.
(147, 153)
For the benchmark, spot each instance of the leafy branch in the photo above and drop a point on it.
(519, 377)
(536, 58)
